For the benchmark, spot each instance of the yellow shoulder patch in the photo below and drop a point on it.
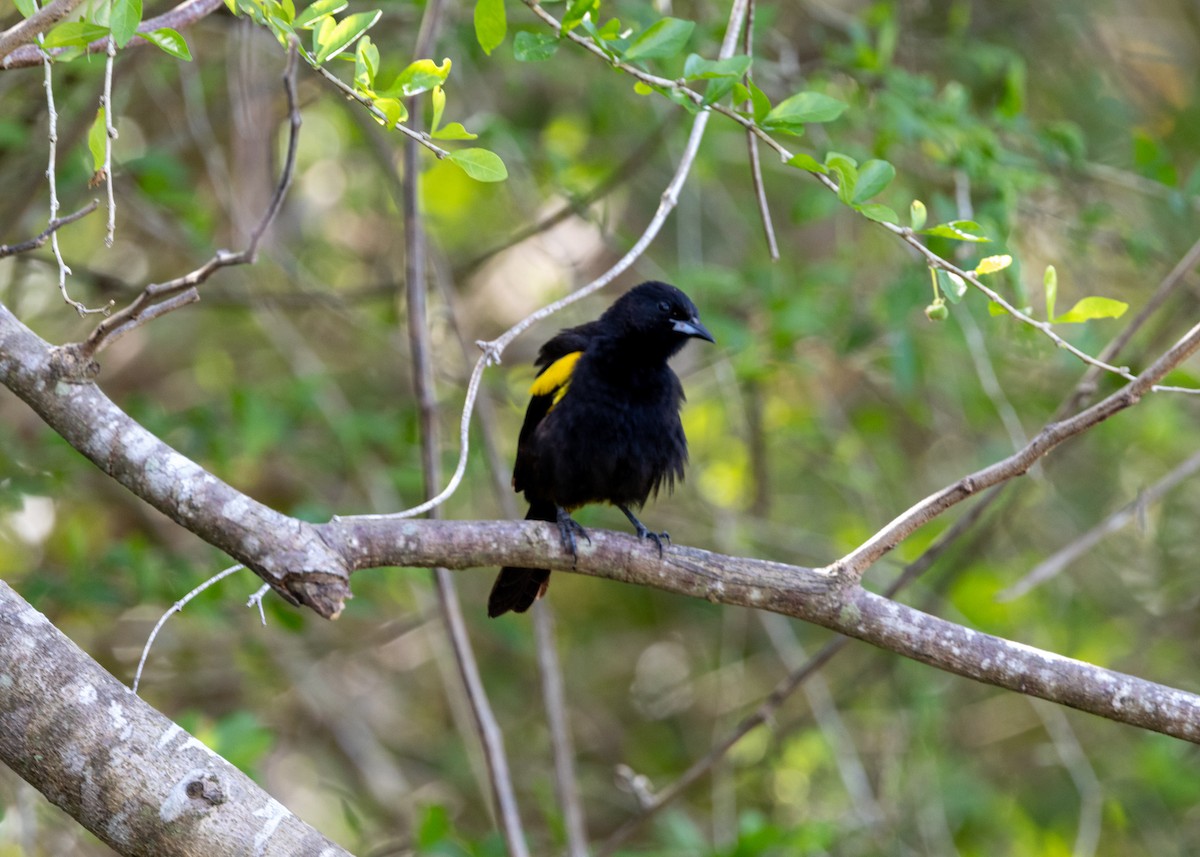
(556, 378)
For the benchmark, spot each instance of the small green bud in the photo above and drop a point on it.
(937, 311)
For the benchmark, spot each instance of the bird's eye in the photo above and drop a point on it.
(665, 307)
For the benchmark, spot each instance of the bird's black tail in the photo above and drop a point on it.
(517, 588)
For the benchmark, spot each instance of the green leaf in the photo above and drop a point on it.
(958, 230)
(1093, 307)
(366, 63)
(79, 33)
(876, 211)
(1050, 282)
(25, 7)
(533, 47)
(169, 41)
(317, 11)
(438, 98)
(491, 24)
(124, 20)
(575, 13)
(480, 164)
(790, 116)
(420, 76)
(873, 177)
(696, 67)
(952, 285)
(394, 111)
(97, 137)
(661, 39)
(917, 214)
(453, 131)
(846, 170)
(759, 103)
(807, 162)
(336, 39)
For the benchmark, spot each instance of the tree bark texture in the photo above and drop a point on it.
(123, 770)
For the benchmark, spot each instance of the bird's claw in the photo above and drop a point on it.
(568, 528)
(657, 538)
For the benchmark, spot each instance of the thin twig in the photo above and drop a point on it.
(40, 239)
(789, 684)
(1064, 556)
(760, 190)
(110, 134)
(864, 556)
(904, 233)
(175, 608)
(493, 349)
(403, 127)
(158, 298)
(421, 353)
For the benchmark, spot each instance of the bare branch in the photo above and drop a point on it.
(814, 595)
(760, 191)
(1051, 567)
(123, 770)
(855, 563)
(159, 298)
(41, 239)
(182, 16)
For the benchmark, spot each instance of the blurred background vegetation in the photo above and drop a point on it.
(1070, 131)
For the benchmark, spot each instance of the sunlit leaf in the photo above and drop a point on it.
(491, 24)
(958, 230)
(453, 131)
(480, 164)
(576, 12)
(393, 109)
(533, 47)
(366, 63)
(661, 39)
(916, 214)
(438, 100)
(420, 76)
(317, 11)
(1050, 282)
(336, 39)
(97, 137)
(1093, 307)
(25, 7)
(992, 264)
(169, 41)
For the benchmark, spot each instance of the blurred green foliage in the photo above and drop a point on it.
(1067, 132)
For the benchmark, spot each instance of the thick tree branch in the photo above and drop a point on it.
(119, 767)
(183, 15)
(287, 553)
(310, 564)
(814, 595)
(26, 30)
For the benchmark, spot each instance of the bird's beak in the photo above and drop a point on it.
(693, 327)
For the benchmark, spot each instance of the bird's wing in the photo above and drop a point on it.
(556, 361)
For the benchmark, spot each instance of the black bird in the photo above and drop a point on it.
(602, 424)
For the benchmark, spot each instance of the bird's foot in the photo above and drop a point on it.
(568, 528)
(644, 532)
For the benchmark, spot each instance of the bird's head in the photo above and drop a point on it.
(657, 316)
